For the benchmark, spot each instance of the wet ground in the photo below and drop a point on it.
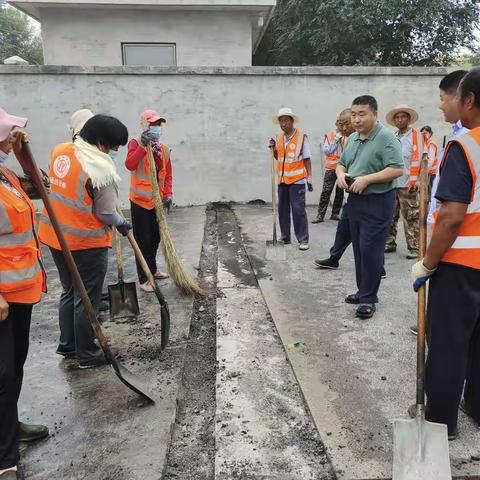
(269, 377)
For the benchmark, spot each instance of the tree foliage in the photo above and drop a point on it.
(18, 37)
(368, 32)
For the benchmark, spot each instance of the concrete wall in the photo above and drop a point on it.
(94, 36)
(219, 120)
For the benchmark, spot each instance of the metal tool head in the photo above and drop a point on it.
(123, 301)
(275, 251)
(420, 450)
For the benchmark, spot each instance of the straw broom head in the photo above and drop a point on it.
(182, 278)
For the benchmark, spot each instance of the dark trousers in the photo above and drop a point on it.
(453, 319)
(76, 334)
(370, 217)
(14, 341)
(342, 236)
(147, 235)
(291, 198)
(329, 181)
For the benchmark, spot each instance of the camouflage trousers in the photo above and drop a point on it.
(408, 204)
(329, 181)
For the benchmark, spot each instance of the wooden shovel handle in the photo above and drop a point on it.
(274, 197)
(422, 292)
(118, 255)
(28, 164)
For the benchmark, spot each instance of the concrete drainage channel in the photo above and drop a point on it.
(240, 413)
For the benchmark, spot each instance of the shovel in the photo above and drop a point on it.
(420, 448)
(133, 382)
(275, 250)
(122, 296)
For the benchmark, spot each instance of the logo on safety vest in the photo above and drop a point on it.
(292, 146)
(61, 166)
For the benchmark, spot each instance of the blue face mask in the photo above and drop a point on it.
(156, 131)
(3, 157)
(113, 154)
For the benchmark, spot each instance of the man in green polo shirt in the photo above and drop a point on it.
(370, 162)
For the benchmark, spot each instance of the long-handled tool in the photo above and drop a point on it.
(134, 382)
(181, 277)
(122, 296)
(420, 448)
(275, 250)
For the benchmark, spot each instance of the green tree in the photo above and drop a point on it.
(18, 37)
(368, 32)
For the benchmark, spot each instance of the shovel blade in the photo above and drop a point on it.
(275, 251)
(123, 301)
(420, 450)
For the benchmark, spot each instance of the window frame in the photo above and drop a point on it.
(166, 44)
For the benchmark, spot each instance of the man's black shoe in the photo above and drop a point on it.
(66, 354)
(318, 220)
(328, 264)
(32, 433)
(100, 362)
(366, 310)
(467, 411)
(352, 299)
(390, 249)
(286, 242)
(335, 217)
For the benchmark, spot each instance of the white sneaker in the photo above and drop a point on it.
(146, 287)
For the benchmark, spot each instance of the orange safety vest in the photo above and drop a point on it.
(331, 161)
(466, 248)
(433, 169)
(415, 165)
(22, 276)
(72, 204)
(141, 192)
(290, 164)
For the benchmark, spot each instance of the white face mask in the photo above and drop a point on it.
(3, 157)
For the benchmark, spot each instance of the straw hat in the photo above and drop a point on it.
(403, 108)
(285, 112)
(78, 120)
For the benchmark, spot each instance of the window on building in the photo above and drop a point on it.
(162, 54)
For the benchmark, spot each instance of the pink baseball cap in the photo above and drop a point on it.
(152, 116)
(7, 122)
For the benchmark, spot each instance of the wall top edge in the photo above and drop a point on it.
(130, 70)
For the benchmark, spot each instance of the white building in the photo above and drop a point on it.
(150, 32)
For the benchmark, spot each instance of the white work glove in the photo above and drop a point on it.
(421, 274)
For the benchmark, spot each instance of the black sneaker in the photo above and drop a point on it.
(414, 330)
(353, 299)
(318, 220)
(101, 362)
(32, 433)
(335, 217)
(412, 256)
(328, 264)
(286, 242)
(67, 355)
(390, 249)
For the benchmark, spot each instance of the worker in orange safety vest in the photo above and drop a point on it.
(22, 281)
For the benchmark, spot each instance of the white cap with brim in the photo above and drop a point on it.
(8, 122)
(285, 112)
(78, 120)
(402, 109)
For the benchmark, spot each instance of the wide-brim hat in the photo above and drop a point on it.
(402, 109)
(8, 122)
(285, 112)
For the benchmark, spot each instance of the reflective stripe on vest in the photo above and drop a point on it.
(5, 224)
(78, 232)
(466, 248)
(332, 160)
(290, 164)
(415, 165)
(12, 239)
(19, 275)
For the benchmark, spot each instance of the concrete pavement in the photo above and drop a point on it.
(356, 376)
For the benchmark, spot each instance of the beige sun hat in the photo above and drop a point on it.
(403, 108)
(78, 120)
(285, 112)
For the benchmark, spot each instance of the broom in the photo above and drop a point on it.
(182, 278)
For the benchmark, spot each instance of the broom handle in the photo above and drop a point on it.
(422, 292)
(274, 198)
(28, 164)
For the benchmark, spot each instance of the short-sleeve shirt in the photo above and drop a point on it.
(456, 180)
(372, 155)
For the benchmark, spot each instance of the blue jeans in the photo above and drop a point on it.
(370, 218)
(291, 198)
